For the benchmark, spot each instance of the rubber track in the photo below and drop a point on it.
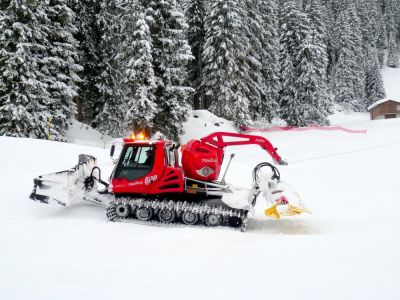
(179, 207)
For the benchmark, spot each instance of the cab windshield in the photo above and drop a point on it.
(135, 162)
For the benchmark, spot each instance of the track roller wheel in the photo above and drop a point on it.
(144, 213)
(122, 210)
(166, 215)
(189, 217)
(212, 219)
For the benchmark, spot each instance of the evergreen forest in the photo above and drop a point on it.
(123, 65)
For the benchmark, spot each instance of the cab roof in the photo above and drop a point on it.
(146, 142)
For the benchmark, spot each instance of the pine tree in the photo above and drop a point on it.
(393, 51)
(253, 28)
(226, 69)
(381, 43)
(374, 83)
(356, 44)
(305, 99)
(293, 27)
(310, 110)
(171, 54)
(60, 64)
(349, 70)
(23, 91)
(332, 36)
(89, 36)
(262, 58)
(316, 68)
(392, 10)
(288, 49)
(269, 59)
(369, 13)
(111, 107)
(139, 80)
(195, 15)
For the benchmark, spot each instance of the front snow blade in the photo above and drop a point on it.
(65, 186)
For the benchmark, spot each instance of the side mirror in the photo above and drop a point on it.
(112, 150)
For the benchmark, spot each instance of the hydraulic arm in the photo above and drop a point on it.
(217, 139)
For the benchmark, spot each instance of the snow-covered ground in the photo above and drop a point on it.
(348, 248)
(391, 77)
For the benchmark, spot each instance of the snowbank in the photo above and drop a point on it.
(347, 249)
(202, 122)
(83, 134)
(391, 78)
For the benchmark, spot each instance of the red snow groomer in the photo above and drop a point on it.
(149, 182)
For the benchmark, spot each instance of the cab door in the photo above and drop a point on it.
(135, 162)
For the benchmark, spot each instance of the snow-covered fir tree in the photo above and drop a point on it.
(111, 106)
(89, 36)
(356, 39)
(16, 118)
(369, 13)
(60, 64)
(332, 37)
(310, 96)
(139, 80)
(269, 59)
(317, 14)
(374, 83)
(304, 95)
(24, 95)
(262, 58)
(137, 68)
(195, 15)
(349, 71)
(398, 19)
(381, 43)
(171, 54)
(392, 11)
(289, 15)
(253, 28)
(393, 51)
(225, 63)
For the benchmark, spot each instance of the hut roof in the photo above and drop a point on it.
(373, 105)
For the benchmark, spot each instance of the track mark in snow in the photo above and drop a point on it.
(285, 226)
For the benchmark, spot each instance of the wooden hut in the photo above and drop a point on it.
(384, 109)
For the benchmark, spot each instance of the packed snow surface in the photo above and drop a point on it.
(348, 248)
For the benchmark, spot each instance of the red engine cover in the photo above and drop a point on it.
(202, 161)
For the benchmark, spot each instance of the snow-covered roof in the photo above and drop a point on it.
(380, 102)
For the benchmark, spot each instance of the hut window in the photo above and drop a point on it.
(390, 116)
(398, 107)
